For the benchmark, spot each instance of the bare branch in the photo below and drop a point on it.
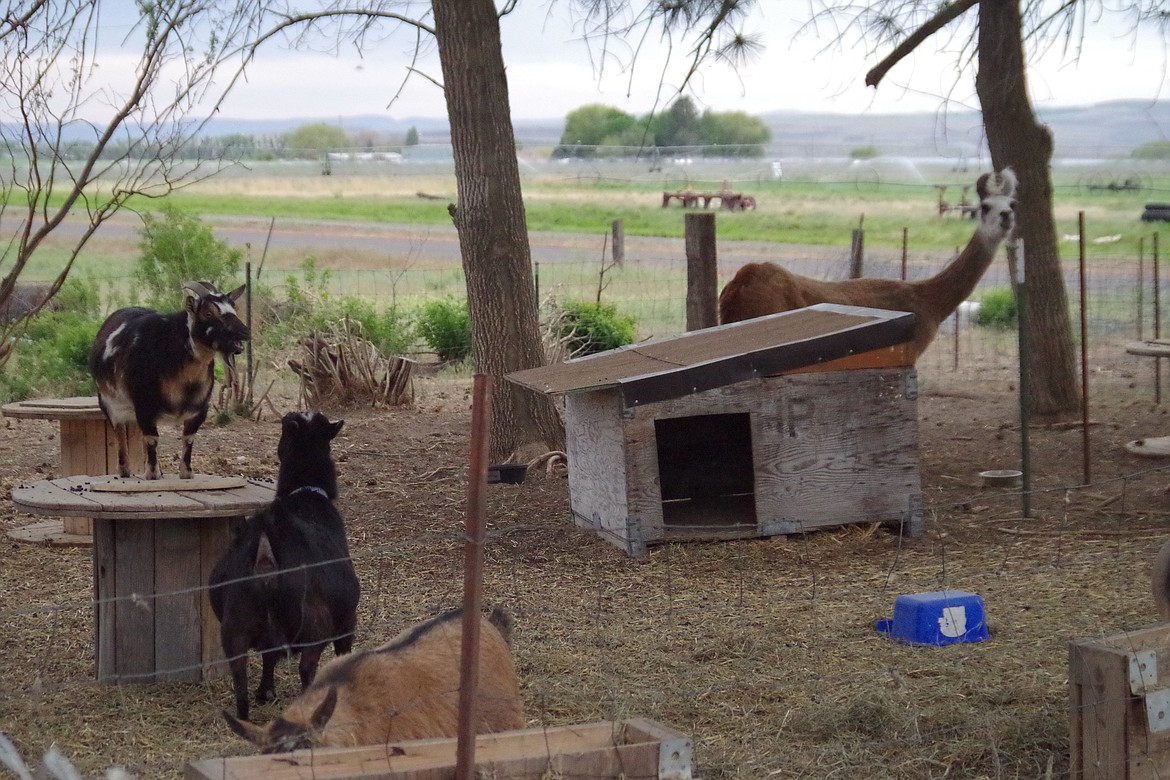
(945, 16)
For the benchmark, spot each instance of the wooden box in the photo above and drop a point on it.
(1119, 706)
(624, 749)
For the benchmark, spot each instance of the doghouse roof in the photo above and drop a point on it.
(661, 369)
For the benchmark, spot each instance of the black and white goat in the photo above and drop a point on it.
(286, 585)
(151, 367)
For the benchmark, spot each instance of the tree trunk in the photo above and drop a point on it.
(1016, 139)
(493, 236)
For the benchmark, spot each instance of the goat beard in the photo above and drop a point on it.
(230, 374)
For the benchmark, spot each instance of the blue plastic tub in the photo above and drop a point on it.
(944, 617)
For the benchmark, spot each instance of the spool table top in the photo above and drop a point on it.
(81, 407)
(1149, 348)
(99, 497)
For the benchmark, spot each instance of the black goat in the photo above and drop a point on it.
(287, 585)
(151, 367)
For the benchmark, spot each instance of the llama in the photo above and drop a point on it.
(765, 288)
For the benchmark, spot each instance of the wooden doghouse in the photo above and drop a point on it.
(779, 425)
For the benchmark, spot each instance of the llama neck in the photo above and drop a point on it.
(942, 293)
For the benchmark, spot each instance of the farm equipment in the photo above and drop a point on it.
(727, 200)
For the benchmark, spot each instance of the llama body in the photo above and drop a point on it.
(286, 585)
(153, 368)
(405, 689)
(759, 289)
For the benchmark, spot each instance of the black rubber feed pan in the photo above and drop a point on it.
(507, 473)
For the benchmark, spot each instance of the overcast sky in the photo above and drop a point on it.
(550, 73)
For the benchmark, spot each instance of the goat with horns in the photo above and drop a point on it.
(151, 367)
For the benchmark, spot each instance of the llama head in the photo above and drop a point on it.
(997, 204)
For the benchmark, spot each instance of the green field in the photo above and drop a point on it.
(811, 212)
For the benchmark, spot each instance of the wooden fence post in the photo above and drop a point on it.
(702, 271)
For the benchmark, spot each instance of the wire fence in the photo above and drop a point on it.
(763, 652)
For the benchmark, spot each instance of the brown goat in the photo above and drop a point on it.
(405, 689)
(765, 288)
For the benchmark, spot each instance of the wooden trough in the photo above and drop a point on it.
(636, 748)
(779, 425)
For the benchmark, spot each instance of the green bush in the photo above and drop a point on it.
(52, 358)
(389, 330)
(445, 326)
(586, 328)
(997, 309)
(176, 248)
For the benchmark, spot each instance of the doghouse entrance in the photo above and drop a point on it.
(705, 471)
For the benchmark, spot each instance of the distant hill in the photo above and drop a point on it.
(1101, 130)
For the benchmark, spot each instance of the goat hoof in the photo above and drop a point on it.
(265, 695)
(186, 475)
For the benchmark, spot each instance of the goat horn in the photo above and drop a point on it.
(199, 289)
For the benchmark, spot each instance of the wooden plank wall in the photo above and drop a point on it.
(829, 448)
(178, 653)
(1109, 737)
(597, 477)
(638, 748)
(837, 448)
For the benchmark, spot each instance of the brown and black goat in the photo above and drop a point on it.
(151, 367)
(405, 689)
(286, 584)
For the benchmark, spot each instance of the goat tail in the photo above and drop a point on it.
(502, 619)
(1161, 581)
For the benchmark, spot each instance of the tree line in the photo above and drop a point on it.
(598, 130)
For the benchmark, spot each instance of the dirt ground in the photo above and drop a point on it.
(763, 651)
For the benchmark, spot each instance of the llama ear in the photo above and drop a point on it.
(1007, 182)
(981, 186)
(1001, 183)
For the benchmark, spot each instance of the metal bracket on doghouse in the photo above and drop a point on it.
(911, 385)
(1143, 676)
(674, 759)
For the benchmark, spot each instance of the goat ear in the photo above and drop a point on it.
(242, 728)
(324, 710)
(235, 294)
(290, 422)
(335, 428)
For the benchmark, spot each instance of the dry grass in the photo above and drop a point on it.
(764, 651)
